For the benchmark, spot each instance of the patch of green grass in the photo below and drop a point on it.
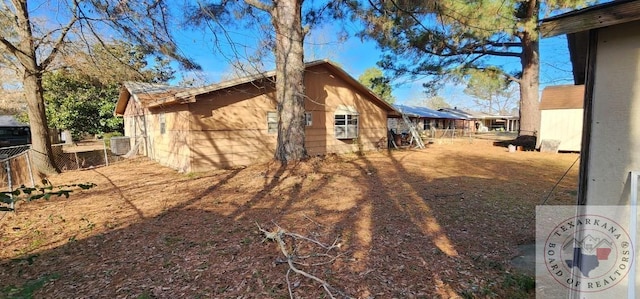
(28, 288)
(522, 283)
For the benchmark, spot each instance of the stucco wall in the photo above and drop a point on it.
(615, 131)
(564, 125)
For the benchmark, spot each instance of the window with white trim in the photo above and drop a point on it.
(346, 122)
(272, 122)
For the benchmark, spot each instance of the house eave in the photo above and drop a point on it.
(593, 17)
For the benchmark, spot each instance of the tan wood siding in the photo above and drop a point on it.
(325, 93)
(228, 127)
(171, 148)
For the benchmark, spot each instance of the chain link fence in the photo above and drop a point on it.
(17, 162)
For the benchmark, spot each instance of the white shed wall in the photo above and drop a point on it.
(564, 125)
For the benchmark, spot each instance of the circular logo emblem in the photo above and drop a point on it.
(588, 253)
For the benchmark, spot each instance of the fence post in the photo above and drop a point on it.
(77, 161)
(28, 157)
(8, 167)
(104, 147)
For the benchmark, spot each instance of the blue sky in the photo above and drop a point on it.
(353, 55)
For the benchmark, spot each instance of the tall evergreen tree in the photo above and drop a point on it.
(378, 83)
(446, 40)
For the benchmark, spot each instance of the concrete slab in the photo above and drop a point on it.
(526, 259)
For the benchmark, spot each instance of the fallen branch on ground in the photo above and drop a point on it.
(279, 236)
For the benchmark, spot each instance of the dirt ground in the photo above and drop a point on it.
(443, 222)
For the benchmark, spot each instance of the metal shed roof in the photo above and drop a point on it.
(425, 112)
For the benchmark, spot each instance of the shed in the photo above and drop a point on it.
(234, 123)
(561, 116)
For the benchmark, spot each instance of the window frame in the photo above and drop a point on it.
(272, 122)
(349, 125)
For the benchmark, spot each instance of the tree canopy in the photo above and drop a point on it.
(34, 35)
(491, 92)
(378, 83)
(82, 96)
(436, 102)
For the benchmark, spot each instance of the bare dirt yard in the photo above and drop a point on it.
(443, 222)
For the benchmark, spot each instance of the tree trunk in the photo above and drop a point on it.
(529, 83)
(290, 94)
(40, 139)
(32, 84)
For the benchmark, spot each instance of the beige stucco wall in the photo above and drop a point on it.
(564, 125)
(615, 131)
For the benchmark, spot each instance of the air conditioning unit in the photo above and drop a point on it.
(120, 145)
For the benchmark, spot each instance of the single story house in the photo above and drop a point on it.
(483, 122)
(561, 116)
(604, 43)
(425, 118)
(234, 123)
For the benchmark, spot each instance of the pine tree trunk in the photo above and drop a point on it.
(529, 83)
(287, 21)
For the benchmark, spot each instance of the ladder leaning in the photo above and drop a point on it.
(414, 132)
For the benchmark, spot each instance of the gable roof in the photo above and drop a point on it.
(417, 111)
(160, 94)
(562, 97)
(147, 94)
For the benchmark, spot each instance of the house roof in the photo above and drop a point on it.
(148, 94)
(592, 17)
(416, 111)
(11, 121)
(475, 115)
(562, 97)
(164, 94)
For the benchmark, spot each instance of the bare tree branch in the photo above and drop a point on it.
(260, 5)
(57, 45)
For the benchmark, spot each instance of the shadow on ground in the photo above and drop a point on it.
(410, 225)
